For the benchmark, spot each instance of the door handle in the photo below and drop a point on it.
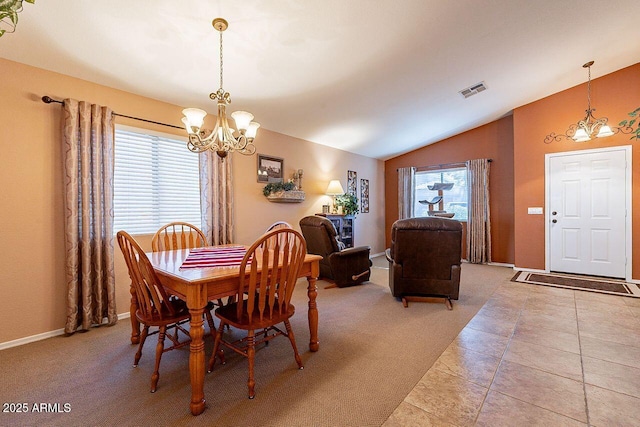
(554, 213)
(554, 221)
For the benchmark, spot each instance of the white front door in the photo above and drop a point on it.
(587, 212)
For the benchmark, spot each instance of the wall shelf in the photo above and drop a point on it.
(293, 196)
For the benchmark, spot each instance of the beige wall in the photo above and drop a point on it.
(32, 277)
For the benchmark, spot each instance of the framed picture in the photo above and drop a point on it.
(270, 169)
(364, 196)
(352, 183)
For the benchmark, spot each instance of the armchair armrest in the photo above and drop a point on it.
(351, 252)
(350, 266)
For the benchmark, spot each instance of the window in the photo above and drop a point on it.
(454, 200)
(156, 181)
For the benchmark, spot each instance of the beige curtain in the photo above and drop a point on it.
(479, 221)
(406, 184)
(216, 198)
(88, 133)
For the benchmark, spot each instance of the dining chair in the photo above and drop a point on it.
(182, 235)
(178, 235)
(155, 307)
(263, 297)
(270, 243)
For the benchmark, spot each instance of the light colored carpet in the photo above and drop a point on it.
(372, 353)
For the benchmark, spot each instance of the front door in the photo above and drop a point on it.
(587, 212)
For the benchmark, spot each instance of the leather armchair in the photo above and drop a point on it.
(345, 267)
(424, 259)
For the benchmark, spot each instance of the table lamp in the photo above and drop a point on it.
(334, 189)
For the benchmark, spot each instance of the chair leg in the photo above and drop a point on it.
(251, 354)
(159, 351)
(143, 337)
(292, 339)
(216, 348)
(212, 325)
(447, 301)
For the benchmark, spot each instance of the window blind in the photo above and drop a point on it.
(156, 181)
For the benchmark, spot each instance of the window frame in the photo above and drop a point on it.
(442, 169)
(159, 198)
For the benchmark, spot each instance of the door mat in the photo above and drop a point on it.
(579, 283)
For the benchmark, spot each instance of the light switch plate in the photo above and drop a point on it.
(534, 211)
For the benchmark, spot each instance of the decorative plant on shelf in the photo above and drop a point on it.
(634, 120)
(349, 203)
(276, 187)
(9, 10)
(283, 192)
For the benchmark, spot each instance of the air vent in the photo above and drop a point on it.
(472, 90)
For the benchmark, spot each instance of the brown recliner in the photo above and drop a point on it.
(345, 267)
(424, 259)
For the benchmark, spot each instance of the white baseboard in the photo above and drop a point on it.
(45, 335)
(530, 270)
(502, 264)
(375, 255)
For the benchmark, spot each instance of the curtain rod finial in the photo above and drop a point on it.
(48, 100)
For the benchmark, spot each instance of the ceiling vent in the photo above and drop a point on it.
(472, 90)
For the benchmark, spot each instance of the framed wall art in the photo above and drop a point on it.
(352, 183)
(364, 196)
(270, 169)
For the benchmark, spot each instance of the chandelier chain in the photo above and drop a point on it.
(589, 89)
(221, 63)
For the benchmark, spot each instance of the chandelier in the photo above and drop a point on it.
(223, 138)
(586, 128)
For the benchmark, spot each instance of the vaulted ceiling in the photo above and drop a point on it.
(374, 77)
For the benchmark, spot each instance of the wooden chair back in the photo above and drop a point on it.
(152, 298)
(178, 235)
(270, 243)
(268, 275)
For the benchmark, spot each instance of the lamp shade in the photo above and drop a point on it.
(605, 130)
(252, 130)
(242, 119)
(335, 188)
(194, 116)
(581, 135)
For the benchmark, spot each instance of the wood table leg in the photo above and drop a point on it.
(312, 293)
(135, 325)
(196, 302)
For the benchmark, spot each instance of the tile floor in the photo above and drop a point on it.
(535, 355)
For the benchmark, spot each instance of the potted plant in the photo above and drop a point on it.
(9, 10)
(283, 192)
(349, 204)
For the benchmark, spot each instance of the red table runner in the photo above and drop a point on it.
(224, 256)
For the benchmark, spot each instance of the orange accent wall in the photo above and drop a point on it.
(517, 146)
(613, 96)
(494, 141)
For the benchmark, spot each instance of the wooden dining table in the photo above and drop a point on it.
(198, 286)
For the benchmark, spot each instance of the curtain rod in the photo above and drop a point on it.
(49, 100)
(446, 165)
